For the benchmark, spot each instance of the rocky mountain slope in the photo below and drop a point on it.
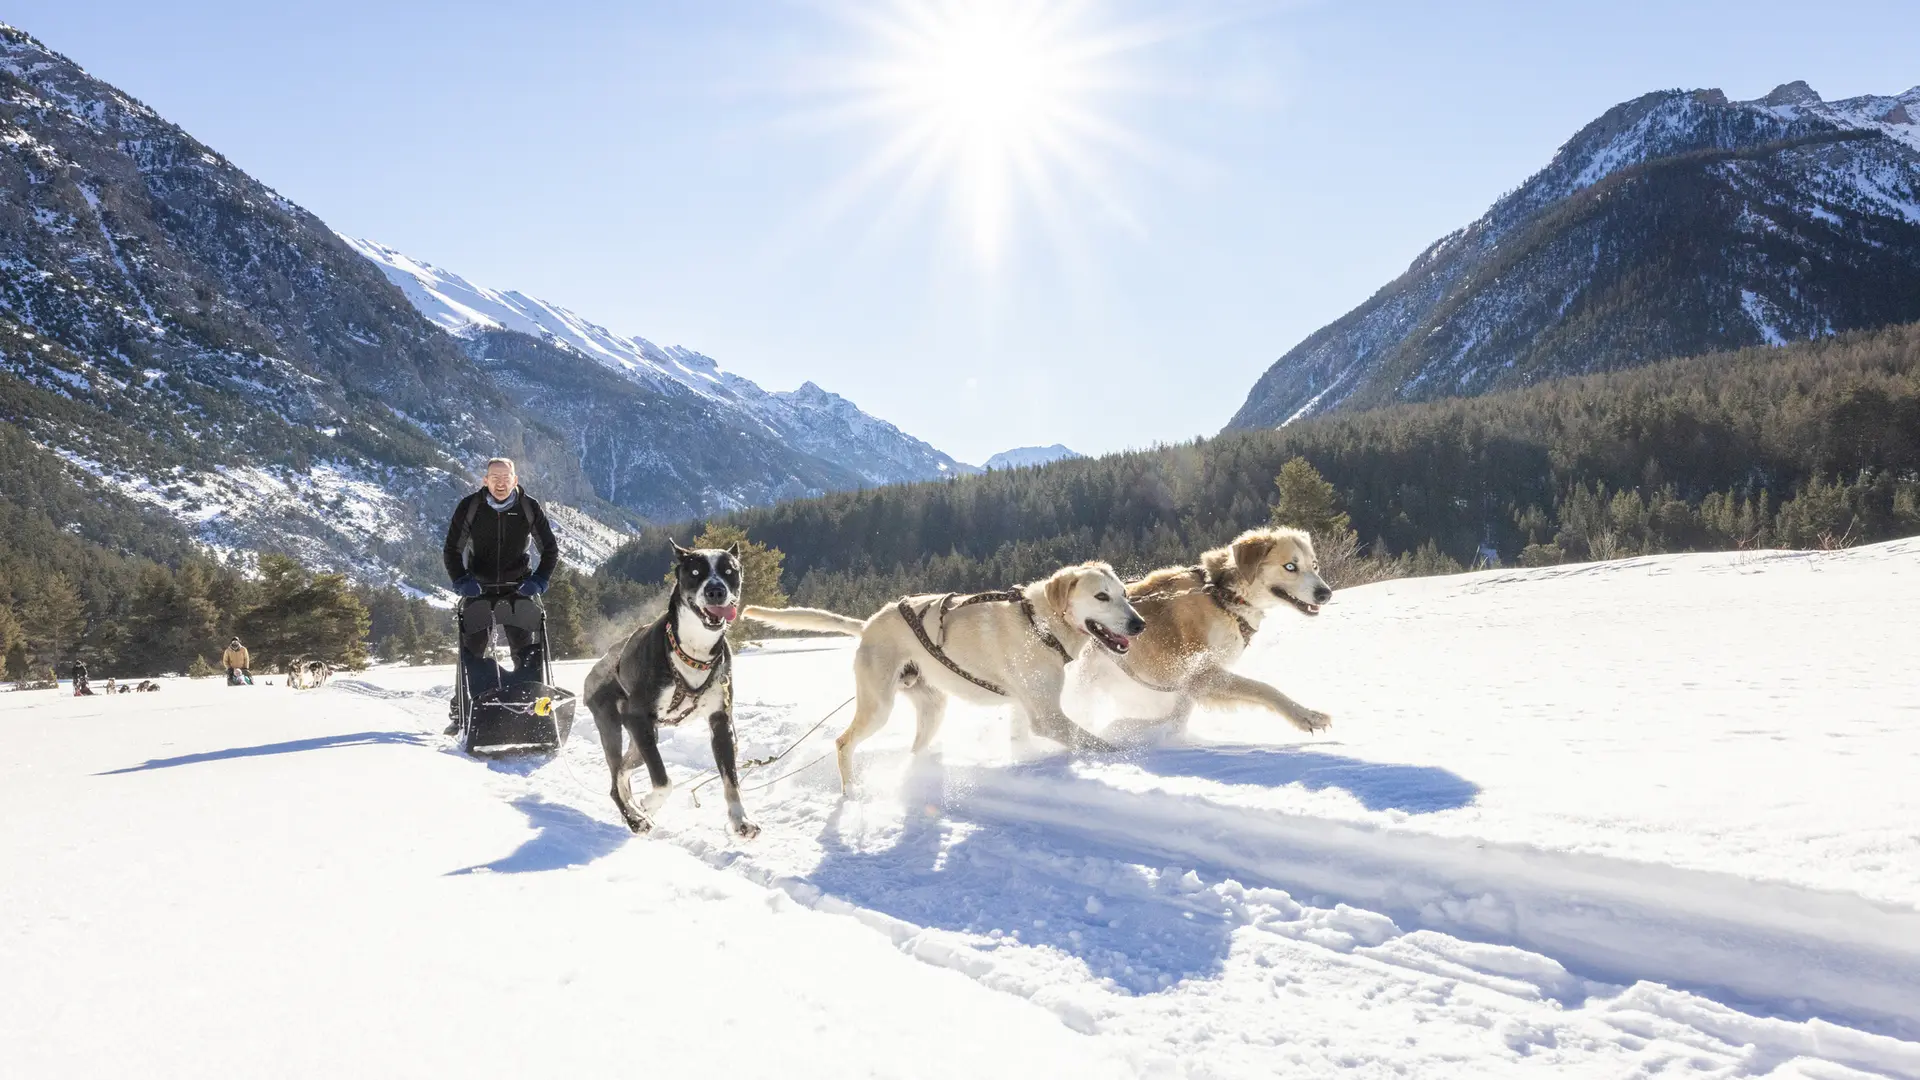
(808, 420)
(182, 334)
(180, 340)
(1677, 223)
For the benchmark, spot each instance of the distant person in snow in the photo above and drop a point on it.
(238, 663)
(80, 685)
(486, 556)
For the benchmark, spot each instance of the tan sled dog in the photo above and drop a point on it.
(1009, 647)
(1200, 618)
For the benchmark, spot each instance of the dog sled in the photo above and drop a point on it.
(517, 711)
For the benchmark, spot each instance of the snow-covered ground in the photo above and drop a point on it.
(1646, 818)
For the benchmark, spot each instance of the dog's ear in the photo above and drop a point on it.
(1216, 561)
(1250, 550)
(678, 551)
(733, 549)
(1060, 589)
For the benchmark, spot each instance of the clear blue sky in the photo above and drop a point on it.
(685, 171)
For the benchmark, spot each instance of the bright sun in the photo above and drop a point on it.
(991, 104)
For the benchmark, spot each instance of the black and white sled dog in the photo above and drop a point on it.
(675, 668)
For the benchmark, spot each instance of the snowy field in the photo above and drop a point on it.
(1658, 817)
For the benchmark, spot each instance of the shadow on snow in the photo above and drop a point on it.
(294, 746)
(958, 860)
(564, 837)
(1011, 880)
(1413, 789)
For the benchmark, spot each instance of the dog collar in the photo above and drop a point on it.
(1224, 596)
(673, 639)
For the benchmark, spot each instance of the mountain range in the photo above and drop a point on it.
(188, 357)
(196, 351)
(814, 421)
(1676, 224)
(1022, 456)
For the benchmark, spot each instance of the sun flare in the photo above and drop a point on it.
(986, 78)
(991, 107)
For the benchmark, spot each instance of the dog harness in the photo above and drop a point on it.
(951, 601)
(1225, 598)
(684, 692)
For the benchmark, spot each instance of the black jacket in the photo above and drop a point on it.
(492, 544)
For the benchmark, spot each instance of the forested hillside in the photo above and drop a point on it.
(1811, 444)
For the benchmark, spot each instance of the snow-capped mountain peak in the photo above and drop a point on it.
(810, 418)
(461, 307)
(1675, 223)
(1022, 456)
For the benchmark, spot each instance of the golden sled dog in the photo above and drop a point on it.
(1200, 618)
(1008, 647)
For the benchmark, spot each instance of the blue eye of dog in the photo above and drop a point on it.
(1292, 568)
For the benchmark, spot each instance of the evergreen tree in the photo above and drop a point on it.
(565, 627)
(231, 596)
(388, 619)
(53, 618)
(1429, 561)
(303, 614)
(170, 621)
(1307, 501)
(433, 633)
(405, 641)
(12, 636)
(200, 669)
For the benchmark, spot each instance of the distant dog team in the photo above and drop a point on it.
(1174, 632)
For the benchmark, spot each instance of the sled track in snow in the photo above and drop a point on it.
(1031, 847)
(1530, 924)
(362, 688)
(1783, 948)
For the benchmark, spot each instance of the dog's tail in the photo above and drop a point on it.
(805, 618)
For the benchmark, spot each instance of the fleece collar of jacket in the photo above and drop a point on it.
(511, 499)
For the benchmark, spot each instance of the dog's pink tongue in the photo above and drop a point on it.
(726, 614)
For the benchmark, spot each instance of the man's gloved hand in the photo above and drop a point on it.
(533, 586)
(467, 585)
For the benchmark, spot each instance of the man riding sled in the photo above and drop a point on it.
(487, 560)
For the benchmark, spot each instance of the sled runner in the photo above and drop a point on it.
(513, 712)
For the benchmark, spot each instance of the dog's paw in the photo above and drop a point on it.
(640, 824)
(1311, 720)
(743, 828)
(657, 798)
